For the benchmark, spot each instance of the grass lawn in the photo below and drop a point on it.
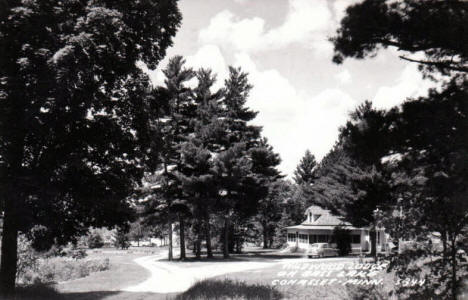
(266, 276)
(123, 272)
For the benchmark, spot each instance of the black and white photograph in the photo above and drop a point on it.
(233, 149)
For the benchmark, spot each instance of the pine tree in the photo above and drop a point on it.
(305, 172)
(198, 152)
(432, 168)
(174, 126)
(264, 166)
(432, 28)
(233, 170)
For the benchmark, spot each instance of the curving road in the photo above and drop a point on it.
(171, 277)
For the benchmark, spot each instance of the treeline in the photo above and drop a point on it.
(216, 172)
(406, 169)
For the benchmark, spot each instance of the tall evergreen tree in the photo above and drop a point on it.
(198, 154)
(74, 133)
(432, 147)
(174, 126)
(235, 113)
(264, 166)
(428, 138)
(305, 172)
(232, 167)
(437, 29)
(231, 170)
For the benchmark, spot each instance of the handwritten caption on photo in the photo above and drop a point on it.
(324, 274)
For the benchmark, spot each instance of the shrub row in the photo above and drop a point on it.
(59, 269)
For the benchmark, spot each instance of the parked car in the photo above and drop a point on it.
(321, 250)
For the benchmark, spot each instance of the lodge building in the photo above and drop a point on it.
(318, 228)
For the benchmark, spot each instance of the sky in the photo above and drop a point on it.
(302, 97)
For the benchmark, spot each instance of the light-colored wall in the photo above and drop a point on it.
(356, 247)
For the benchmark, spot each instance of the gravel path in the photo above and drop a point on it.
(167, 277)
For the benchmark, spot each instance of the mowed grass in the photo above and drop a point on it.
(229, 289)
(123, 272)
(266, 276)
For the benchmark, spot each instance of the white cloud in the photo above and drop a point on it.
(210, 57)
(343, 77)
(340, 6)
(409, 84)
(292, 120)
(307, 22)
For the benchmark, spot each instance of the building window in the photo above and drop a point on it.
(355, 239)
(291, 237)
(312, 238)
(303, 238)
(322, 238)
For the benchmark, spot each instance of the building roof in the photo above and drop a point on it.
(325, 227)
(325, 219)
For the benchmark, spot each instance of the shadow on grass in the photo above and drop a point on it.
(46, 292)
(257, 255)
(229, 289)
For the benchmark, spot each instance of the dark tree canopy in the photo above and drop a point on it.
(435, 28)
(368, 134)
(73, 121)
(75, 135)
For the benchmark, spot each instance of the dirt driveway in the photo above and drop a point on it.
(169, 277)
(174, 277)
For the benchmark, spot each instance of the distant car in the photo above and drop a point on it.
(321, 250)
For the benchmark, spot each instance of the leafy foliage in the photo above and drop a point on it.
(95, 241)
(121, 239)
(75, 130)
(435, 28)
(342, 236)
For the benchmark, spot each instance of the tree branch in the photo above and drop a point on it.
(443, 65)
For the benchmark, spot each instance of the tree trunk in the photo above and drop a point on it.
(170, 257)
(197, 231)
(453, 257)
(9, 250)
(198, 248)
(265, 236)
(373, 238)
(443, 237)
(182, 237)
(239, 246)
(209, 252)
(226, 238)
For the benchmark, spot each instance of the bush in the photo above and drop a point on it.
(27, 257)
(62, 269)
(228, 289)
(342, 237)
(95, 241)
(121, 240)
(77, 253)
